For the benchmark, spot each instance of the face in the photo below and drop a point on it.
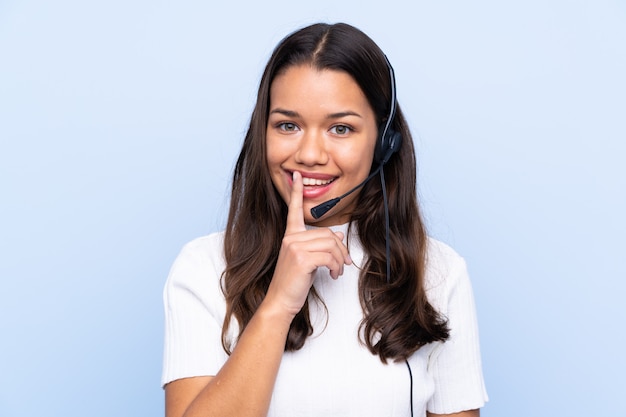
(320, 124)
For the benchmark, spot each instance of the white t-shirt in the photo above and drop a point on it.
(333, 374)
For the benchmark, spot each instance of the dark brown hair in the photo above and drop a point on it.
(398, 319)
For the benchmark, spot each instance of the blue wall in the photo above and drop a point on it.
(120, 122)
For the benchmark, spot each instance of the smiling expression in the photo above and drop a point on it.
(320, 124)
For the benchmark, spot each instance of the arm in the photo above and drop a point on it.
(468, 413)
(244, 385)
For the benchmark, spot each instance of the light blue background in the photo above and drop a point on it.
(120, 122)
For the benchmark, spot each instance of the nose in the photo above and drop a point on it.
(312, 149)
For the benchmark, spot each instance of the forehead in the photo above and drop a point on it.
(307, 86)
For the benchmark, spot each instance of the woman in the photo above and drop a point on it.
(352, 312)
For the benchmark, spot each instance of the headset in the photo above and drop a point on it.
(388, 143)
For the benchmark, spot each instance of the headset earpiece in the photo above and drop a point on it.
(389, 141)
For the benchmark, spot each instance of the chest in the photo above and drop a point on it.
(335, 375)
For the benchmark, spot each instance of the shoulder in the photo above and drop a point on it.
(204, 245)
(202, 250)
(446, 272)
(198, 262)
(441, 258)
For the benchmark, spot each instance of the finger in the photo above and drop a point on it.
(295, 217)
(344, 249)
(325, 259)
(333, 251)
(327, 240)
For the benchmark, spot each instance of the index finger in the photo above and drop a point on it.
(295, 217)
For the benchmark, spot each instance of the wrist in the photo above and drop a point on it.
(275, 313)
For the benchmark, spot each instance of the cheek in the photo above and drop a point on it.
(274, 159)
(357, 159)
(277, 149)
(272, 154)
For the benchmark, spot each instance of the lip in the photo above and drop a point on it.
(316, 191)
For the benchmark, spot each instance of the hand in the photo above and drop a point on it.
(301, 253)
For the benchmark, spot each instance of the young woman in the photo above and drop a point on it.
(352, 312)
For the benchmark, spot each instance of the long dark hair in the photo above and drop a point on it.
(398, 319)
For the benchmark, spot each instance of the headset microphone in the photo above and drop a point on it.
(388, 143)
(321, 209)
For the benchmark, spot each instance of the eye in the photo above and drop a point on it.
(341, 130)
(287, 127)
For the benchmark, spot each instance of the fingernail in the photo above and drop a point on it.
(348, 259)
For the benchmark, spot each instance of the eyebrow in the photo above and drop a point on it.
(295, 114)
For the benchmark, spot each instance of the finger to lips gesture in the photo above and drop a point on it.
(303, 251)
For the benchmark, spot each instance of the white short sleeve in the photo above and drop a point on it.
(194, 311)
(456, 364)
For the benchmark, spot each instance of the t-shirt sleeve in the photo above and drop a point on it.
(456, 365)
(194, 312)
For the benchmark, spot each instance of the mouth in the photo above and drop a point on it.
(307, 182)
(315, 184)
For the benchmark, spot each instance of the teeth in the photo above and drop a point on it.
(313, 181)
